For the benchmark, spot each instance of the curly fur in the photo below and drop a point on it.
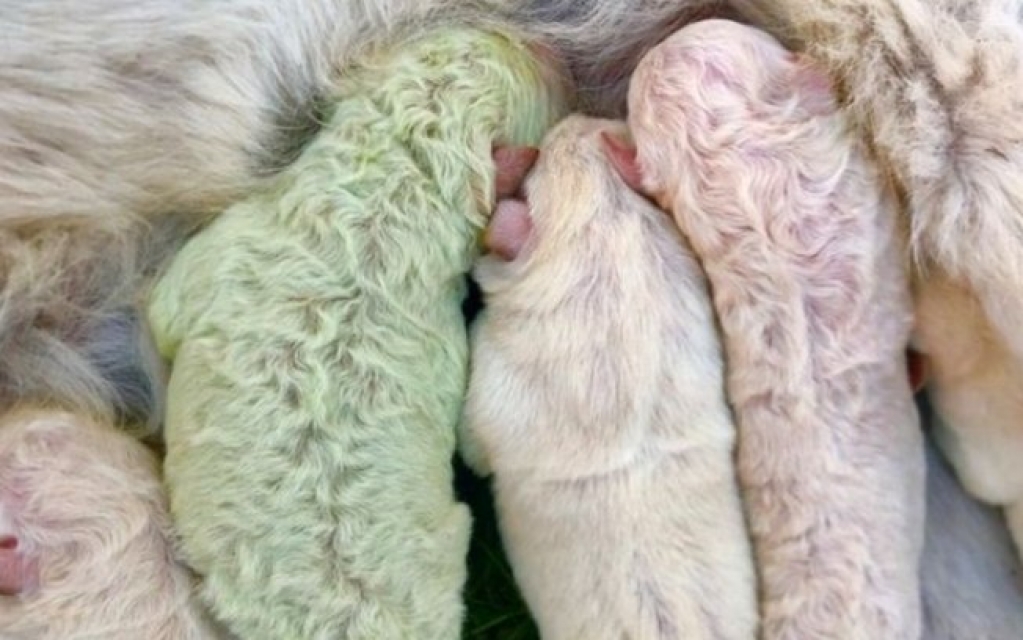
(596, 400)
(89, 535)
(319, 352)
(938, 88)
(741, 141)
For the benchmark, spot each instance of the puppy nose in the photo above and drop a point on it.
(8, 543)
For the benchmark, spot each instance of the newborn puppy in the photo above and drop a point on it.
(742, 142)
(85, 537)
(975, 384)
(597, 402)
(320, 356)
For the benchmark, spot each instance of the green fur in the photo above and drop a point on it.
(319, 353)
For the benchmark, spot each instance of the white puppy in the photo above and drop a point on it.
(596, 400)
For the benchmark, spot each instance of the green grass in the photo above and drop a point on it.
(495, 610)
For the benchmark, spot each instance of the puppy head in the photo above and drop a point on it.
(713, 85)
(568, 208)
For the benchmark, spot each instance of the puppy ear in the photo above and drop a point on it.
(509, 229)
(917, 366)
(622, 155)
(813, 84)
(512, 165)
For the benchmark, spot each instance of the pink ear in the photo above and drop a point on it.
(917, 365)
(17, 573)
(509, 229)
(512, 164)
(622, 155)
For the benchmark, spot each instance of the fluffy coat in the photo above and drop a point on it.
(320, 357)
(742, 142)
(85, 536)
(596, 400)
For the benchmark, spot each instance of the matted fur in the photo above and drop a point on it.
(743, 144)
(596, 400)
(85, 502)
(320, 357)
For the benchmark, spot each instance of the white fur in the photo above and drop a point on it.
(596, 400)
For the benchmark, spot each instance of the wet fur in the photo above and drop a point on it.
(743, 144)
(596, 401)
(320, 357)
(87, 508)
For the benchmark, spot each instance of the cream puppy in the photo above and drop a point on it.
(596, 400)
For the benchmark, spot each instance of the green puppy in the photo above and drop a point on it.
(320, 357)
